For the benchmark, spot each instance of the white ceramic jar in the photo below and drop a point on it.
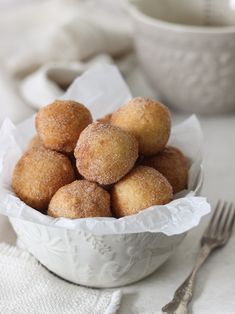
(187, 49)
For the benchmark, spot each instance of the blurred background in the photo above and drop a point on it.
(182, 54)
(45, 44)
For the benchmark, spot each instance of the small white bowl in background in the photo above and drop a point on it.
(187, 49)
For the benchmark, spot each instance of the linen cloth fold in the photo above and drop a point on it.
(50, 81)
(69, 37)
(86, 30)
(27, 287)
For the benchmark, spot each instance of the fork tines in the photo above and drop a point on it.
(222, 221)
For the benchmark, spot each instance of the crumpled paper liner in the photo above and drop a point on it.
(103, 90)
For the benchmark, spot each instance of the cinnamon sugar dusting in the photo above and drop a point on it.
(140, 189)
(39, 174)
(173, 165)
(80, 199)
(59, 124)
(105, 153)
(148, 120)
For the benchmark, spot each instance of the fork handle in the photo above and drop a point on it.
(184, 294)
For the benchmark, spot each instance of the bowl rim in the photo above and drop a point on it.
(177, 27)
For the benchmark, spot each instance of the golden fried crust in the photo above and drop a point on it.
(39, 174)
(105, 119)
(59, 124)
(80, 199)
(173, 165)
(140, 189)
(105, 153)
(148, 120)
(35, 142)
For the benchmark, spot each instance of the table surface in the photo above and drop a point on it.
(215, 286)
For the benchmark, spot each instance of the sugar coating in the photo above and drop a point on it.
(173, 165)
(80, 199)
(39, 174)
(35, 142)
(148, 120)
(105, 153)
(140, 189)
(105, 119)
(59, 124)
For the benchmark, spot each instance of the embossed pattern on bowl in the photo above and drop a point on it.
(96, 261)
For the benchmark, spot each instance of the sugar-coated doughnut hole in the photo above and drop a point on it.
(173, 165)
(148, 120)
(105, 153)
(140, 189)
(39, 174)
(59, 124)
(80, 199)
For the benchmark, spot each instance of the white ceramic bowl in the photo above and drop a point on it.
(187, 49)
(97, 261)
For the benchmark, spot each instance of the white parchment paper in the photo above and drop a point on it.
(103, 90)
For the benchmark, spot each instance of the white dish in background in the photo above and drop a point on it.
(103, 252)
(187, 49)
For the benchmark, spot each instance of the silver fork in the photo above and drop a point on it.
(216, 235)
